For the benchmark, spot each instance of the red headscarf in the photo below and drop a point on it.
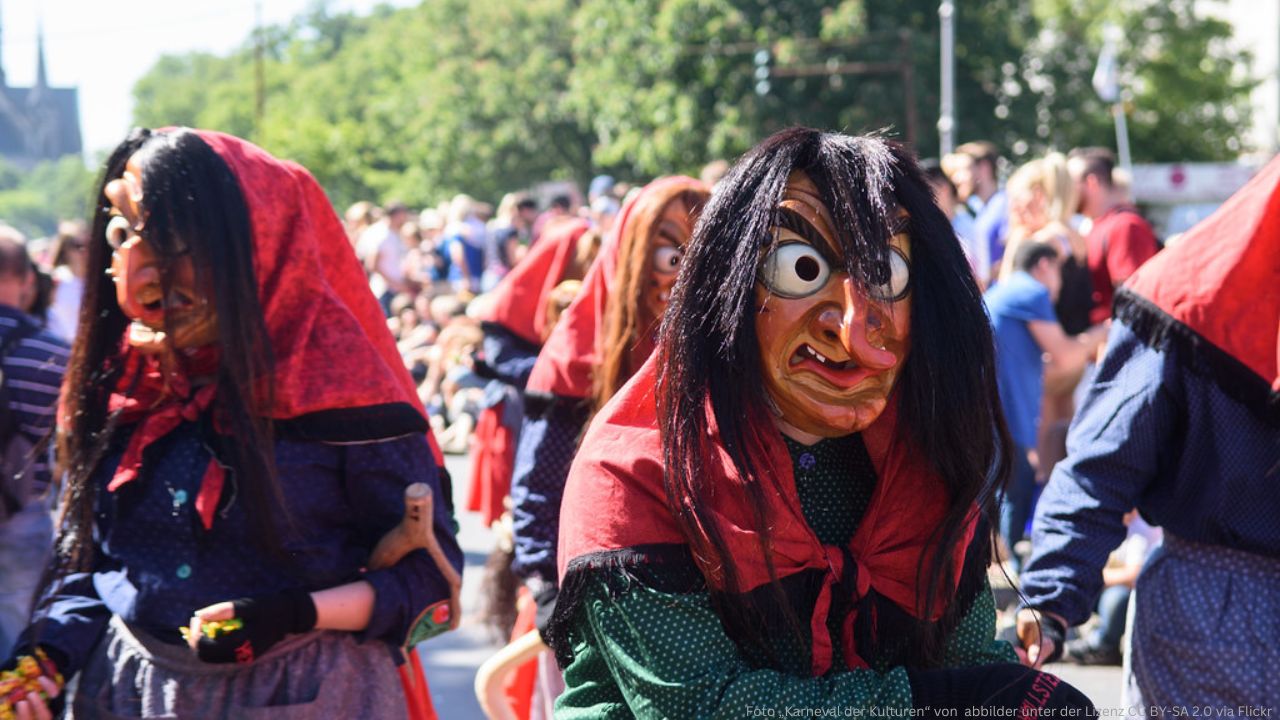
(573, 351)
(1218, 289)
(520, 300)
(615, 499)
(520, 306)
(337, 373)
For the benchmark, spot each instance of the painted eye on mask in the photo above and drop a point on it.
(666, 259)
(118, 231)
(795, 270)
(899, 283)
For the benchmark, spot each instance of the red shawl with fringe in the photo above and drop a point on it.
(615, 500)
(1218, 289)
(337, 373)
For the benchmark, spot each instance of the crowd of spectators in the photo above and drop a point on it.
(1051, 245)
(431, 270)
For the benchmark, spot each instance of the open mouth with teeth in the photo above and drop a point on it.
(842, 373)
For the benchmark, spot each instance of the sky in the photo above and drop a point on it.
(104, 47)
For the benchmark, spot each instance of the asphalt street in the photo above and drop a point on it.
(451, 659)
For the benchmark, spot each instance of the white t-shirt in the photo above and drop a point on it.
(379, 239)
(64, 313)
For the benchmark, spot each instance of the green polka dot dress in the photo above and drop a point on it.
(644, 653)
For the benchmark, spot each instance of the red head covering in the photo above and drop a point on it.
(337, 373)
(614, 500)
(520, 300)
(1218, 292)
(573, 351)
(520, 306)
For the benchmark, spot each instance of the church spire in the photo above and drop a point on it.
(3, 84)
(42, 81)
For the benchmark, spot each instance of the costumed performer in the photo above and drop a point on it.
(786, 509)
(600, 340)
(238, 432)
(514, 330)
(1182, 421)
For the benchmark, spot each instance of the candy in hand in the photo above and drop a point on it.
(259, 623)
(23, 680)
(213, 628)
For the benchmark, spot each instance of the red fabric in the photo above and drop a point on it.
(328, 334)
(1119, 242)
(614, 499)
(493, 462)
(1222, 279)
(329, 338)
(520, 300)
(520, 685)
(572, 352)
(520, 305)
(160, 401)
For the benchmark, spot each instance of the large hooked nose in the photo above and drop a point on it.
(136, 273)
(856, 323)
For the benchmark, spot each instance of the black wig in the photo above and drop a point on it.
(192, 204)
(948, 402)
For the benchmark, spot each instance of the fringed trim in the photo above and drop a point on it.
(538, 405)
(973, 576)
(1162, 331)
(886, 633)
(667, 568)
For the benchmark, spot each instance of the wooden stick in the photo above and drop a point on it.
(416, 531)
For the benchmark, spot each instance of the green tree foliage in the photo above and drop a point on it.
(484, 96)
(34, 200)
(1185, 86)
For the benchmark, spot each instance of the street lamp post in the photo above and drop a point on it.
(946, 115)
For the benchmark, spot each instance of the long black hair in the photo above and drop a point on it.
(948, 403)
(192, 203)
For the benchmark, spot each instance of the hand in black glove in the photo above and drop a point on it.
(1002, 685)
(1041, 637)
(242, 630)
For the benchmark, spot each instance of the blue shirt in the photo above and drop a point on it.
(155, 564)
(470, 235)
(545, 451)
(991, 224)
(1154, 433)
(33, 371)
(1012, 303)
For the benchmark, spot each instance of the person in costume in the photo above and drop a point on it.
(599, 341)
(238, 433)
(1182, 422)
(786, 508)
(521, 318)
(514, 330)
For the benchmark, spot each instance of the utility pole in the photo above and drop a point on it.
(1106, 81)
(947, 113)
(259, 78)
(901, 68)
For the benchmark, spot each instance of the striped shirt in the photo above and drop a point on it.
(33, 370)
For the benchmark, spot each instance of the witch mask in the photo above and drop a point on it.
(159, 294)
(830, 352)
